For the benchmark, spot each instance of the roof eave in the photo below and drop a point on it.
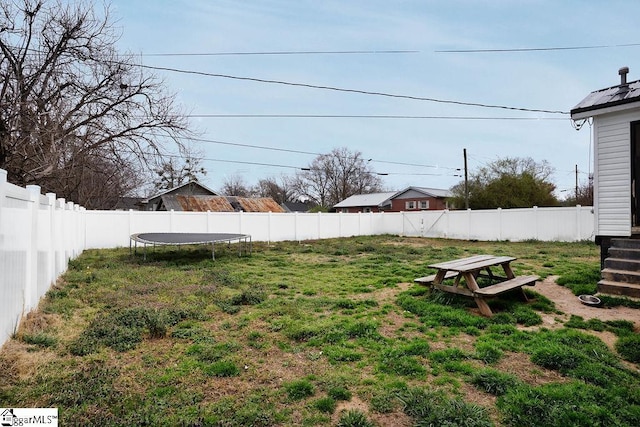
(609, 107)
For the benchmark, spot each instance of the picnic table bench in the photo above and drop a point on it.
(465, 271)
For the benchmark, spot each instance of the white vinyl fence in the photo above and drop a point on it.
(110, 229)
(40, 234)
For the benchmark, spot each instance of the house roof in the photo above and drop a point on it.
(295, 207)
(372, 199)
(434, 192)
(382, 199)
(615, 96)
(171, 190)
(182, 202)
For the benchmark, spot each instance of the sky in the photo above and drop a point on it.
(394, 62)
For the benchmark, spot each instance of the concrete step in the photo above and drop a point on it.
(617, 288)
(622, 264)
(626, 243)
(624, 253)
(622, 276)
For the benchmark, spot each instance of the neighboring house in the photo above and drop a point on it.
(373, 202)
(128, 203)
(295, 207)
(616, 200)
(420, 199)
(187, 203)
(409, 199)
(158, 202)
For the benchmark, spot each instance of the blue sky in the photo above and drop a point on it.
(554, 80)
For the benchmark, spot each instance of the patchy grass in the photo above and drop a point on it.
(328, 332)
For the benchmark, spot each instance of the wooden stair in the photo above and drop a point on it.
(621, 272)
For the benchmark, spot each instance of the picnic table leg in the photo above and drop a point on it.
(485, 310)
(510, 275)
(439, 277)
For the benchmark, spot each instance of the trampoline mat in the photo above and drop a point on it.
(186, 238)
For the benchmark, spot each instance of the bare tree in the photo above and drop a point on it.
(175, 171)
(235, 185)
(279, 189)
(335, 176)
(71, 106)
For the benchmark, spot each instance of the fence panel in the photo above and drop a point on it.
(38, 236)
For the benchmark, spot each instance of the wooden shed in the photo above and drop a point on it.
(615, 112)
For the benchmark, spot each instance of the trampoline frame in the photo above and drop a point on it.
(179, 239)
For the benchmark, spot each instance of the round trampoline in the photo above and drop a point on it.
(244, 240)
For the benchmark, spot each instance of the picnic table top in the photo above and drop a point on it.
(473, 263)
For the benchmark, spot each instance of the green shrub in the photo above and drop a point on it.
(629, 348)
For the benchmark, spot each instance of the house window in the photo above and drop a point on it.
(411, 204)
(424, 204)
(344, 210)
(366, 210)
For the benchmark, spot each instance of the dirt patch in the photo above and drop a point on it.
(569, 304)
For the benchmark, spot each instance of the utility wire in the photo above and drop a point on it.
(289, 52)
(302, 168)
(286, 150)
(536, 49)
(338, 89)
(364, 116)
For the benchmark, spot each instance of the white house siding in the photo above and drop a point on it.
(612, 198)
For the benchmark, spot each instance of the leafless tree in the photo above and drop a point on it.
(72, 107)
(235, 185)
(174, 171)
(279, 189)
(333, 177)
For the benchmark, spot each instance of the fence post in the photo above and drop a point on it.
(31, 264)
(535, 216)
(51, 250)
(578, 223)
(295, 226)
(500, 225)
(3, 185)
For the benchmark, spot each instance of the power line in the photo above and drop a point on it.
(289, 52)
(364, 116)
(301, 168)
(286, 150)
(536, 49)
(338, 89)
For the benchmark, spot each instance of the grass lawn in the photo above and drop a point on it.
(318, 333)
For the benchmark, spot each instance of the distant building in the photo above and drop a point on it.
(409, 199)
(295, 207)
(158, 202)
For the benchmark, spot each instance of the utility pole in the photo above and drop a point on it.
(466, 180)
(576, 182)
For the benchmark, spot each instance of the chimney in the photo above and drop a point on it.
(623, 75)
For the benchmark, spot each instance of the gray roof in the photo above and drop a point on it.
(171, 190)
(372, 199)
(608, 97)
(382, 199)
(435, 192)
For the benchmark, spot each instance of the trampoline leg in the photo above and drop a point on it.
(213, 251)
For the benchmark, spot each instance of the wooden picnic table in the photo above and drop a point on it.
(465, 271)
